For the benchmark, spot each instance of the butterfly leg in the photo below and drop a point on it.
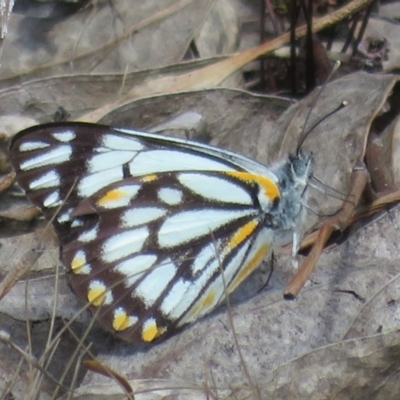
(339, 221)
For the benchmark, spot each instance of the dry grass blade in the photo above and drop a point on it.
(21, 268)
(31, 360)
(254, 389)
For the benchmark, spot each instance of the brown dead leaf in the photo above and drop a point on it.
(106, 37)
(391, 149)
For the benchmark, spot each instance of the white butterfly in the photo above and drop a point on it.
(148, 223)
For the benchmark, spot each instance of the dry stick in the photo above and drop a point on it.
(212, 75)
(339, 221)
(380, 174)
(378, 205)
(99, 368)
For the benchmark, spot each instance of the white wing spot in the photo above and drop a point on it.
(90, 184)
(188, 225)
(64, 217)
(76, 222)
(89, 235)
(116, 142)
(65, 136)
(156, 161)
(206, 255)
(170, 196)
(141, 215)
(134, 267)
(58, 155)
(155, 282)
(197, 286)
(215, 188)
(176, 296)
(51, 179)
(30, 146)
(124, 244)
(52, 200)
(109, 159)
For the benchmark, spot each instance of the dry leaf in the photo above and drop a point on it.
(106, 37)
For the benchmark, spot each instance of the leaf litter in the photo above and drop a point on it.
(340, 337)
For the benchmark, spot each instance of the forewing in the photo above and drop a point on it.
(55, 162)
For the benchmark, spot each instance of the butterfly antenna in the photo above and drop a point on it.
(316, 183)
(305, 134)
(338, 108)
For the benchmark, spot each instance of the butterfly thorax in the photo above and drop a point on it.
(293, 176)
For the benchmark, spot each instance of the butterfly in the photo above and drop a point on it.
(155, 230)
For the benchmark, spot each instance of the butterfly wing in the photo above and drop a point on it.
(56, 161)
(146, 223)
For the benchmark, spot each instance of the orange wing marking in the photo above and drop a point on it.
(242, 234)
(269, 187)
(110, 196)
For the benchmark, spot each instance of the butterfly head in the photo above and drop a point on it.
(294, 174)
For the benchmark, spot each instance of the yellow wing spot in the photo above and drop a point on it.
(242, 234)
(247, 269)
(149, 178)
(151, 331)
(110, 196)
(202, 306)
(122, 320)
(269, 187)
(209, 300)
(78, 263)
(96, 294)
